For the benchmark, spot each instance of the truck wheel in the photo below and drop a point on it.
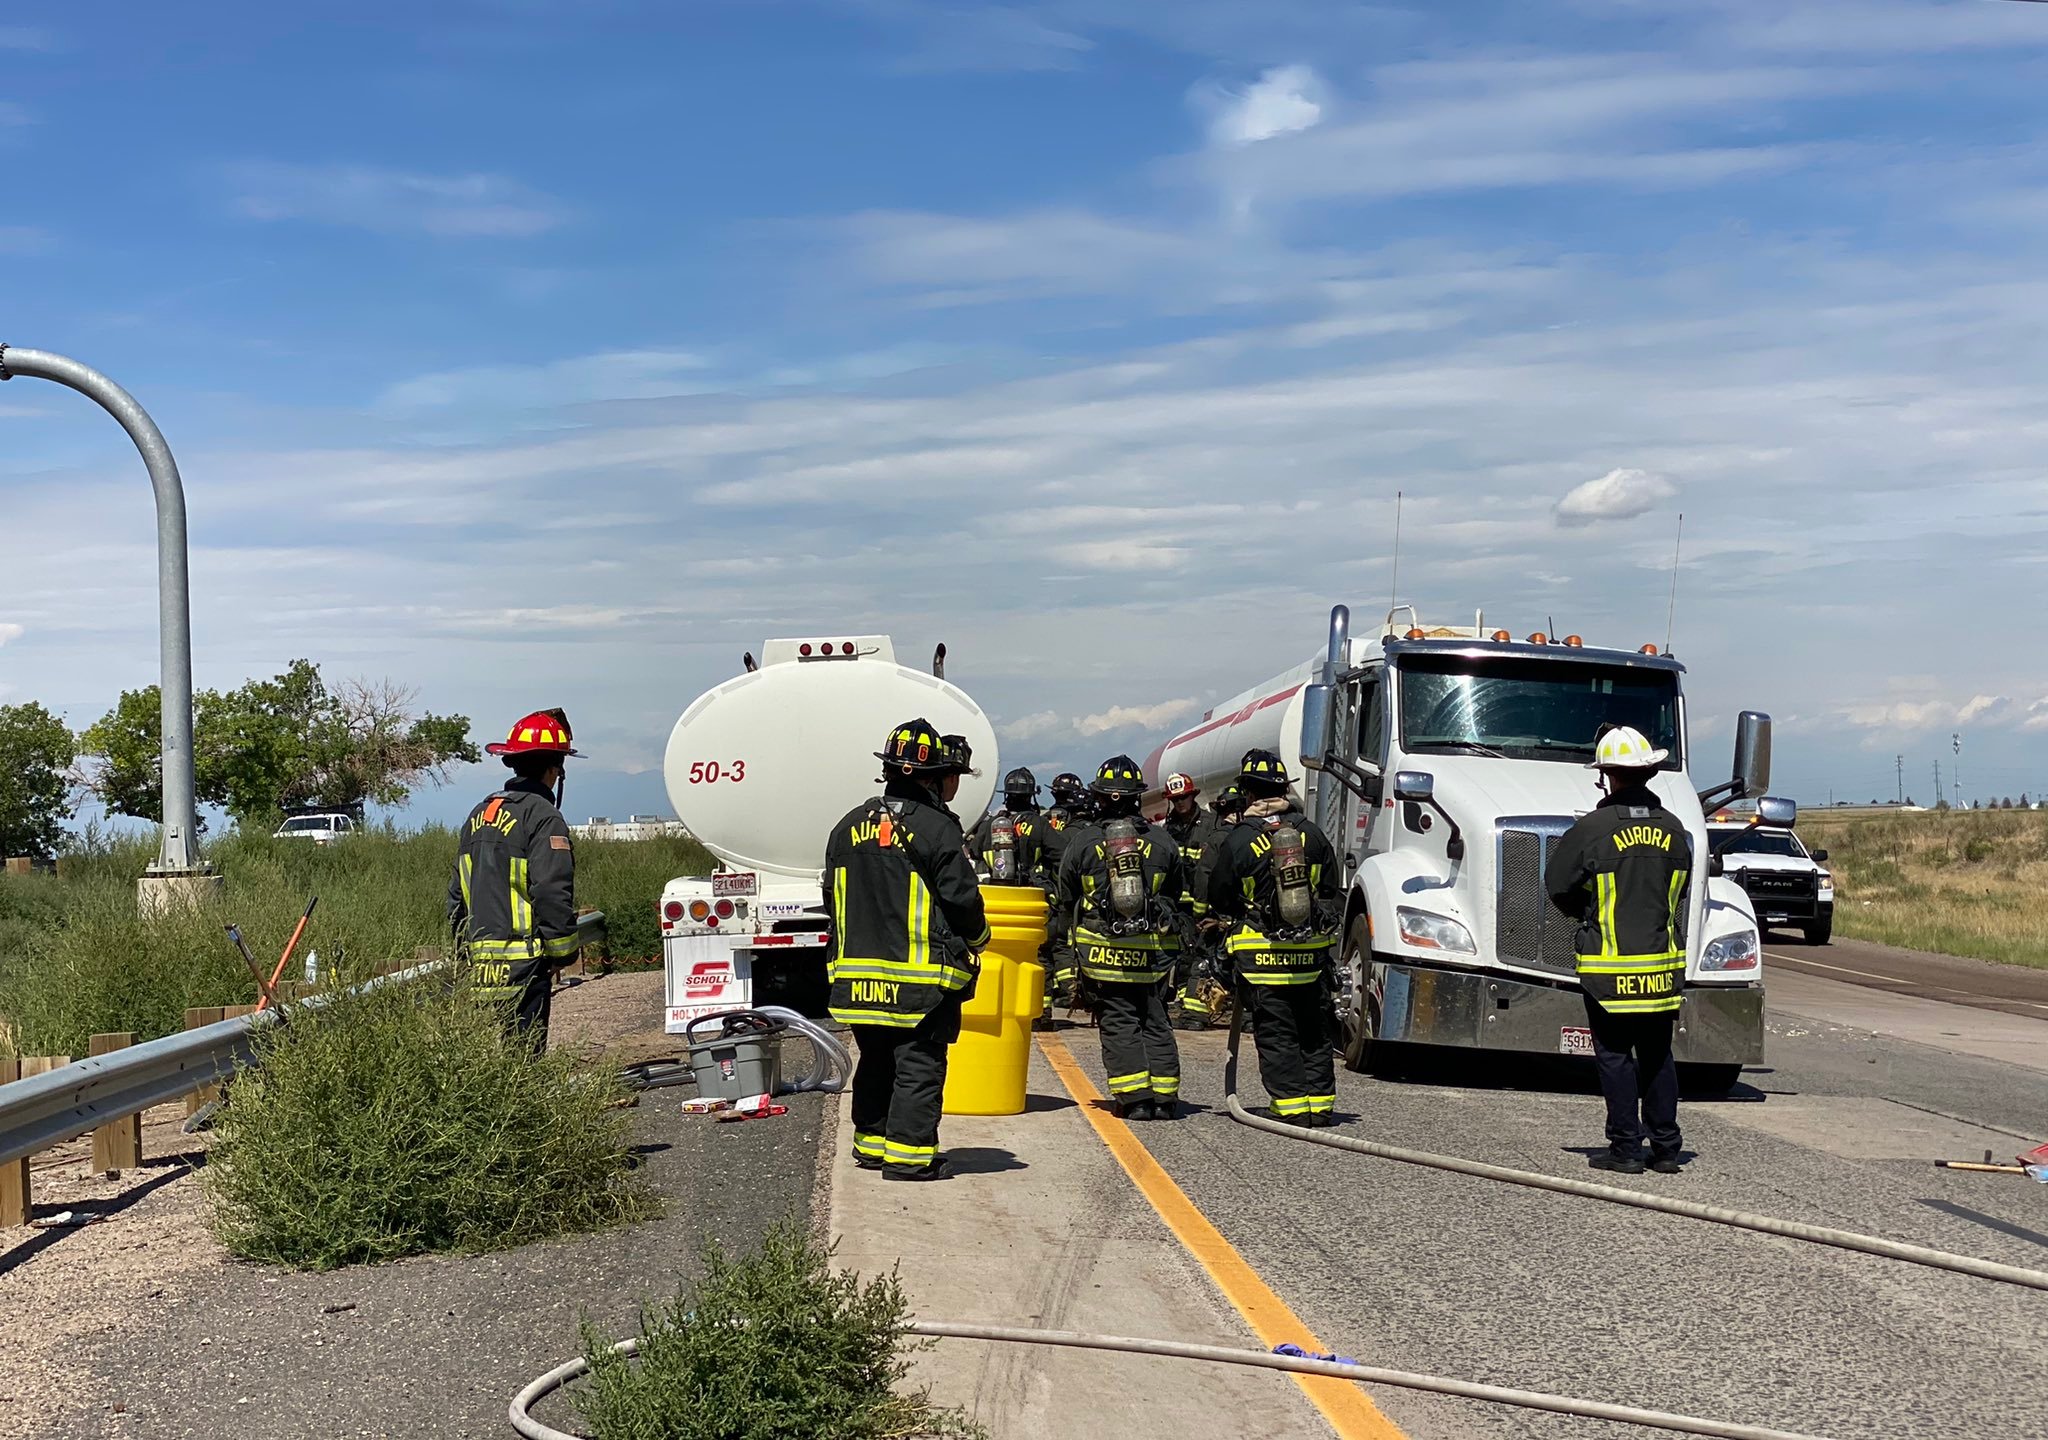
(1357, 1025)
(1711, 1080)
(1820, 931)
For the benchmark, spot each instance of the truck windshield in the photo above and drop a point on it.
(1528, 709)
(303, 823)
(1759, 842)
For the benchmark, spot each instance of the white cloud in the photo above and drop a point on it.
(1282, 101)
(1030, 727)
(1984, 707)
(1136, 717)
(10, 631)
(1911, 717)
(1617, 495)
(614, 375)
(398, 202)
(2036, 716)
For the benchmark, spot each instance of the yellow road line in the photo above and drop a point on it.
(1349, 1409)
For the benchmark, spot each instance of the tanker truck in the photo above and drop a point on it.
(1445, 763)
(759, 768)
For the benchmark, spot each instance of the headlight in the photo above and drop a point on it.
(1731, 952)
(1827, 886)
(1434, 932)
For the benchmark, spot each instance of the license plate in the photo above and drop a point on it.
(1574, 1040)
(735, 882)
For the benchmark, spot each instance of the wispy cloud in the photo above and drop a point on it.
(1136, 717)
(370, 197)
(614, 375)
(1617, 495)
(977, 36)
(10, 631)
(1282, 101)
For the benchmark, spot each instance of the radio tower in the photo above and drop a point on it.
(1899, 764)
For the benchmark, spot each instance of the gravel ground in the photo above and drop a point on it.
(141, 1327)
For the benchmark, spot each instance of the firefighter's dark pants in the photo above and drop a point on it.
(526, 999)
(1138, 1050)
(1637, 1079)
(1293, 1032)
(899, 1084)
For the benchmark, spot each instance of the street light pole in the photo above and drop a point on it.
(177, 856)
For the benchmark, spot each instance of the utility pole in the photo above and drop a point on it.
(1899, 764)
(1955, 775)
(1937, 782)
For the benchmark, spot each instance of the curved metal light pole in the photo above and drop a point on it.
(174, 604)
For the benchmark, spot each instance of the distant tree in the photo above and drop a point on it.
(1909, 799)
(2023, 802)
(1976, 804)
(282, 742)
(36, 751)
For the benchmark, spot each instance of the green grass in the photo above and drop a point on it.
(400, 1122)
(774, 1345)
(77, 959)
(1958, 882)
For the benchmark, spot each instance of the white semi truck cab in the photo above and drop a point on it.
(759, 768)
(1444, 763)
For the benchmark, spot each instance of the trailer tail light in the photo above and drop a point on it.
(847, 648)
(700, 910)
(804, 649)
(724, 909)
(672, 912)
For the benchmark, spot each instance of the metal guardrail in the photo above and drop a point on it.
(60, 1105)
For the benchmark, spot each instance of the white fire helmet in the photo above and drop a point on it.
(1179, 784)
(1624, 748)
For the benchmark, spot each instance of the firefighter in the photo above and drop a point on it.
(1228, 808)
(1194, 830)
(1274, 883)
(1623, 872)
(1070, 811)
(1025, 862)
(512, 898)
(1121, 881)
(907, 932)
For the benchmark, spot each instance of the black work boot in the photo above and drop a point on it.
(1620, 1162)
(1165, 1108)
(866, 1162)
(1666, 1164)
(936, 1170)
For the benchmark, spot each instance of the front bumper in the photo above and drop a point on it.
(1419, 1005)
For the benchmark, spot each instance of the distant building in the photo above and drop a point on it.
(633, 827)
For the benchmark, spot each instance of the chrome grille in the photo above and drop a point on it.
(1528, 930)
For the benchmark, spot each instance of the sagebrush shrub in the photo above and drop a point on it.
(401, 1122)
(774, 1345)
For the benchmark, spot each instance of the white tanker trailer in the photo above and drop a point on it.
(1444, 764)
(760, 768)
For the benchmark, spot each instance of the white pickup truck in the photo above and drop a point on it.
(1789, 886)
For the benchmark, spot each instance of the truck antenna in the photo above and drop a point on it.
(1394, 593)
(1671, 614)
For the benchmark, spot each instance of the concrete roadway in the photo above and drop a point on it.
(2014, 989)
(1415, 1269)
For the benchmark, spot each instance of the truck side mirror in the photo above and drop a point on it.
(1414, 787)
(1776, 812)
(1316, 703)
(1820, 857)
(1752, 754)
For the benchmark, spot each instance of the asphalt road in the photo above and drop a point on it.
(1416, 1269)
(2013, 989)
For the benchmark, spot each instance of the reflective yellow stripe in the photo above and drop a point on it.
(1609, 945)
(524, 947)
(522, 906)
(890, 1018)
(920, 921)
(1632, 964)
(1124, 1084)
(1298, 1106)
(1084, 936)
(896, 1154)
(1640, 1007)
(868, 1145)
(467, 866)
(1166, 1084)
(901, 971)
(838, 911)
(1280, 977)
(1678, 879)
(561, 947)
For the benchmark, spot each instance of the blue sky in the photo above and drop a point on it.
(536, 354)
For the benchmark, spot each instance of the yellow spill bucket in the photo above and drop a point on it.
(986, 1066)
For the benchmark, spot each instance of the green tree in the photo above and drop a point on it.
(36, 751)
(285, 741)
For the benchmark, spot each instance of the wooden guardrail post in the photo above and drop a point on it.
(15, 1202)
(116, 1145)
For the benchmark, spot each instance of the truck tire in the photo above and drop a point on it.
(1714, 1081)
(1357, 1022)
(1820, 931)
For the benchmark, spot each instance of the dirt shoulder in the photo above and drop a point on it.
(141, 1327)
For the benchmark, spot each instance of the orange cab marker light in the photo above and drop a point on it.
(1539, 638)
(1647, 650)
(1501, 637)
(1414, 634)
(1573, 640)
